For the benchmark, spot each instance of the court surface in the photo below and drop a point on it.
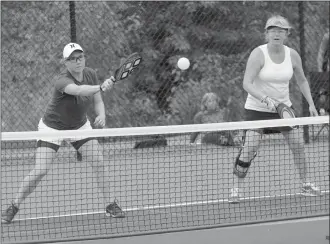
(304, 231)
(172, 218)
(162, 189)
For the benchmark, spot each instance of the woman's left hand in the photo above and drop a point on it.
(99, 121)
(313, 112)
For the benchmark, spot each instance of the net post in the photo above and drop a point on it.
(305, 109)
(73, 35)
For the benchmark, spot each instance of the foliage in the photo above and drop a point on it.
(216, 36)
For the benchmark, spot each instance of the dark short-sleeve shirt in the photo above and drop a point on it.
(65, 111)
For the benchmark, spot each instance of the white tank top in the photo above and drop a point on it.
(273, 80)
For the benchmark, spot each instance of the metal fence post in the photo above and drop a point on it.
(72, 21)
(303, 60)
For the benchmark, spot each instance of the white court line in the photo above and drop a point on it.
(165, 206)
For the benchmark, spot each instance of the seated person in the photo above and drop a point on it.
(212, 113)
(324, 66)
(324, 102)
(323, 62)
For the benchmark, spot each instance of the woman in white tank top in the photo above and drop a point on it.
(269, 70)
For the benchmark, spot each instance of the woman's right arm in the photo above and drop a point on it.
(88, 90)
(82, 90)
(253, 67)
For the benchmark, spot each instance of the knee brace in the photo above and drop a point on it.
(241, 168)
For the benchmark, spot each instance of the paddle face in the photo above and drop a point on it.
(128, 66)
(285, 111)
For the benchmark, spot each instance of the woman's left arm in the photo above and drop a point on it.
(99, 110)
(302, 81)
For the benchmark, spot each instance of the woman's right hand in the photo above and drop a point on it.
(269, 102)
(107, 84)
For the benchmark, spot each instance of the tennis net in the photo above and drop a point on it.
(164, 178)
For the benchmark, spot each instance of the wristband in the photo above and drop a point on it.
(101, 88)
(263, 99)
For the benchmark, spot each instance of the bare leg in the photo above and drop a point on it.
(295, 141)
(44, 158)
(250, 147)
(92, 153)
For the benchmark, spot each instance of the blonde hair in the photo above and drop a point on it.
(209, 96)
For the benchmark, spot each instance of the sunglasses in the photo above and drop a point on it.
(76, 59)
(277, 31)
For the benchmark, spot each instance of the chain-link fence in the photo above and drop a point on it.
(217, 37)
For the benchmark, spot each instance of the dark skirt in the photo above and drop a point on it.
(251, 115)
